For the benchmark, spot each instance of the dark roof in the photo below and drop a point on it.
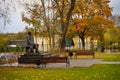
(18, 42)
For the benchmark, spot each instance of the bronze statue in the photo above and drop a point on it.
(30, 44)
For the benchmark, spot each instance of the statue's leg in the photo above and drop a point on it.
(27, 49)
(36, 48)
(31, 49)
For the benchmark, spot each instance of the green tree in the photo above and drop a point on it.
(21, 35)
(113, 36)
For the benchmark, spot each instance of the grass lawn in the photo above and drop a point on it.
(105, 56)
(95, 72)
(108, 56)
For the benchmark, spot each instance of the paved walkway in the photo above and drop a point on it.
(109, 62)
(73, 63)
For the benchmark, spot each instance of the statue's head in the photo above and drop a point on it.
(29, 33)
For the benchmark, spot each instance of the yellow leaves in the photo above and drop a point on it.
(93, 6)
(108, 23)
(77, 9)
(99, 20)
(79, 27)
(106, 1)
(60, 0)
(106, 10)
(64, 19)
(74, 29)
(59, 20)
(80, 24)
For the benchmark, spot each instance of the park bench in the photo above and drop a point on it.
(84, 53)
(42, 59)
(56, 60)
(33, 58)
(30, 59)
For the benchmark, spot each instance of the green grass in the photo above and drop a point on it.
(104, 56)
(95, 72)
(108, 57)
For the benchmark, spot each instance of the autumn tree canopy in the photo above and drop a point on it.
(91, 17)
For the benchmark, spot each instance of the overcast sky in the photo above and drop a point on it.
(116, 6)
(17, 25)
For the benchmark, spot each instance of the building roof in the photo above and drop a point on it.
(18, 42)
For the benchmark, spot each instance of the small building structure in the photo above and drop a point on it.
(15, 43)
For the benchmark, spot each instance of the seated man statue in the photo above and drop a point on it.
(30, 44)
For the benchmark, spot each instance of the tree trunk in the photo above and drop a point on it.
(62, 44)
(53, 40)
(83, 42)
(65, 24)
(49, 38)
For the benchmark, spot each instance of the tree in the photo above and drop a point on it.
(51, 11)
(112, 37)
(64, 10)
(91, 18)
(33, 17)
(6, 7)
(87, 17)
(45, 13)
(47, 16)
(20, 35)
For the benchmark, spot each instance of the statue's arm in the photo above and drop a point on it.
(29, 40)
